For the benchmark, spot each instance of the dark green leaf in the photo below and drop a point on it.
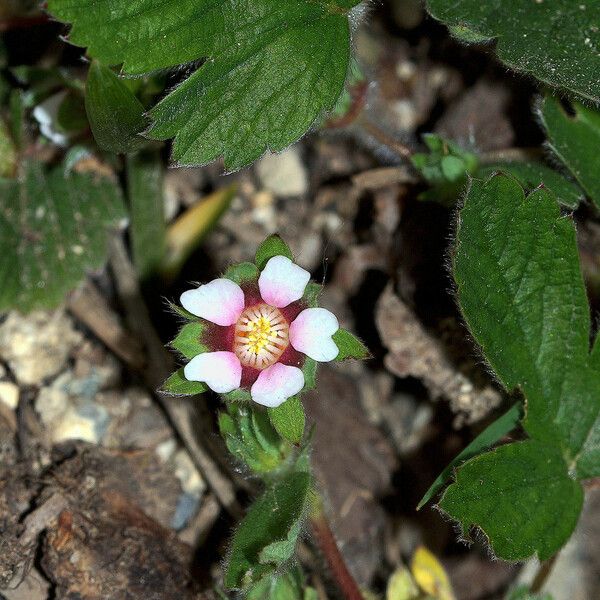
(242, 273)
(189, 340)
(533, 174)
(556, 42)
(55, 228)
(575, 140)
(249, 96)
(274, 518)
(521, 292)
(288, 419)
(116, 116)
(488, 437)
(521, 497)
(178, 385)
(350, 346)
(272, 246)
(146, 207)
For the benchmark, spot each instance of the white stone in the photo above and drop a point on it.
(283, 174)
(189, 477)
(9, 394)
(74, 426)
(38, 345)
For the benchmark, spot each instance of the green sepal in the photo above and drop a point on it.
(349, 346)
(239, 395)
(289, 419)
(311, 294)
(241, 273)
(189, 339)
(272, 246)
(181, 312)
(178, 385)
(309, 370)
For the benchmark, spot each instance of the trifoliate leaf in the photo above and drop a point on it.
(274, 518)
(55, 227)
(189, 340)
(178, 385)
(289, 419)
(521, 292)
(520, 496)
(273, 66)
(575, 140)
(116, 116)
(349, 346)
(272, 246)
(556, 42)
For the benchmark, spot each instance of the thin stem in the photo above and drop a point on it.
(542, 574)
(385, 139)
(339, 571)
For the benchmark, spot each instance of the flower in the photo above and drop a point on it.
(259, 333)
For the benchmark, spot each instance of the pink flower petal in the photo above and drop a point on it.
(311, 333)
(276, 384)
(282, 282)
(221, 371)
(221, 301)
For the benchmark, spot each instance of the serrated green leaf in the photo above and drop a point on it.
(575, 140)
(488, 437)
(55, 228)
(521, 497)
(189, 340)
(248, 96)
(146, 209)
(271, 519)
(242, 273)
(116, 116)
(349, 346)
(533, 174)
(289, 419)
(522, 294)
(556, 42)
(178, 385)
(272, 246)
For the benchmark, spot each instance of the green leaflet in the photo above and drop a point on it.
(55, 226)
(189, 340)
(575, 140)
(521, 496)
(520, 289)
(266, 537)
(557, 42)
(116, 116)
(488, 437)
(248, 96)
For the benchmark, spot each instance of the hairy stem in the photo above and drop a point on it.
(339, 571)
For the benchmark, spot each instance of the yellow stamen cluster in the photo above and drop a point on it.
(261, 336)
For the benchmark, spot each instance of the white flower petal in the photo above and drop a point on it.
(221, 301)
(311, 333)
(276, 384)
(282, 282)
(221, 371)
